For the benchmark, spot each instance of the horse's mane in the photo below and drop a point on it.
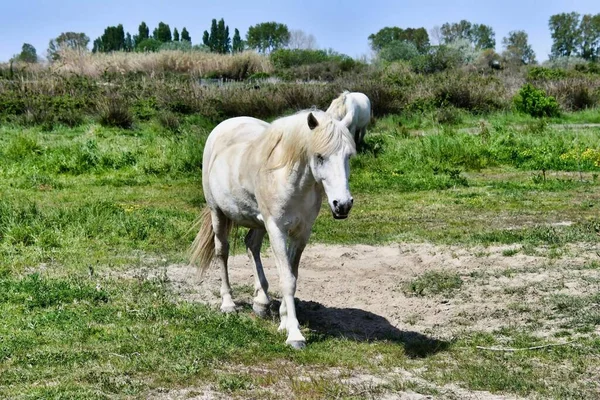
(337, 109)
(289, 139)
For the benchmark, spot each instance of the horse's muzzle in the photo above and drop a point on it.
(340, 210)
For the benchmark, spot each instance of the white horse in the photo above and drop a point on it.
(271, 178)
(354, 110)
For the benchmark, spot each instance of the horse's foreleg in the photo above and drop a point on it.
(261, 302)
(287, 279)
(357, 138)
(221, 230)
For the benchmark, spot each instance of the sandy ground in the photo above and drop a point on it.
(359, 292)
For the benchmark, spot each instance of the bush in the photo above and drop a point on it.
(114, 112)
(535, 102)
(149, 44)
(287, 58)
(399, 51)
(437, 59)
(542, 73)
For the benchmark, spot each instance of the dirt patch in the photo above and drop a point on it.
(360, 292)
(357, 291)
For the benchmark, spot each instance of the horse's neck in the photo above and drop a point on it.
(301, 178)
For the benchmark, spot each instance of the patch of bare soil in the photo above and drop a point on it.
(359, 292)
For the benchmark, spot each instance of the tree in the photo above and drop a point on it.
(566, 35)
(143, 34)
(237, 45)
(267, 36)
(28, 54)
(217, 40)
(386, 36)
(224, 42)
(300, 40)
(185, 35)
(67, 40)
(175, 35)
(162, 33)
(590, 37)
(129, 46)
(455, 31)
(517, 48)
(113, 39)
(483, 37)
(479, 35)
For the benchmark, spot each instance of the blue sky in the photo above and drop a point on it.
(341, 25)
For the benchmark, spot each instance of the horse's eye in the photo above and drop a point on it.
(320, 159)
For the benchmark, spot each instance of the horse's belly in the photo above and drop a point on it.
(237, 203)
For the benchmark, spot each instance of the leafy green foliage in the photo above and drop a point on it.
(389, 35)
(437, 59)
(399, 51)
(67, 40)
(535, 102)
(113, 39)
(185, 35)
(237, 45)
(566, 35)
(115, 112)
(518, 49)
(479, 35)
(162, 33)
(218, 40)
(149, 44)
(143, 34)
(548, 74)
(28, 54)
(267, 36)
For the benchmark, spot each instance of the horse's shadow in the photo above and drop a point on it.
(362, 326)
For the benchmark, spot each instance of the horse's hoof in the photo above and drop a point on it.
(228, 309)
(297, 344)
(261, 310)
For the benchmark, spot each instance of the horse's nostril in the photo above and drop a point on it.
(352, 201)
(335, 203)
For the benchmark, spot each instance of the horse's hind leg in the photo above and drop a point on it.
(363, 133)
(261, 301)
(221, 226)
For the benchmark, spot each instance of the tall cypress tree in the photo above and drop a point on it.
(185, 35)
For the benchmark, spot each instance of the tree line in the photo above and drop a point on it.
(572, 35)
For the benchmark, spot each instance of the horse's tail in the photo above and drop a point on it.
(202, 250)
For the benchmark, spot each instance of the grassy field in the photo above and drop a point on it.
(80, 207)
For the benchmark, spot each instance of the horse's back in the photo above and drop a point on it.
(234, 131)
(362, 106)
(228, 169)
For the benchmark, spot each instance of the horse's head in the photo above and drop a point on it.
(330, 162)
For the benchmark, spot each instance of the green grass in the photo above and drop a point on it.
(79, 206)
(433, 283)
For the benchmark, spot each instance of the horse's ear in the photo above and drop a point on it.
(312, 121)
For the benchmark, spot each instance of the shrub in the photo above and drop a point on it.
(288, 58)
(149, 44)
(535, 102)
(169, 121)
(114, 112)
(437, 59)
(399, 51)
(542, 73)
